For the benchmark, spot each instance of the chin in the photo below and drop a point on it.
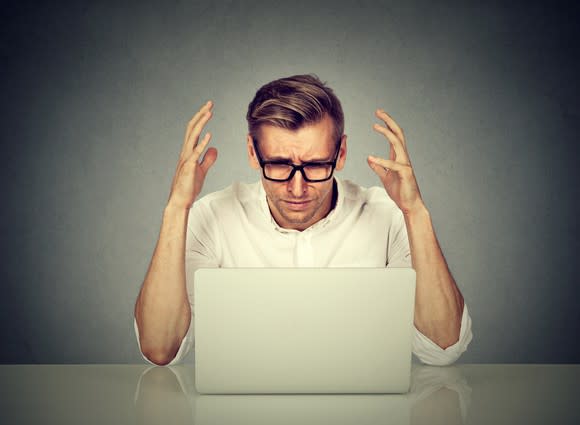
(293, 217)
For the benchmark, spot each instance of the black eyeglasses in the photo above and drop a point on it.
(283, 171)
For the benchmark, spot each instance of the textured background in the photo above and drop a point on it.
(95, 99)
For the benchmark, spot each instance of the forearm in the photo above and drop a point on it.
(438, 301)
(162, 310)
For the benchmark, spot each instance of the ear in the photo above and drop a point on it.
(342, 155)
(252, 158)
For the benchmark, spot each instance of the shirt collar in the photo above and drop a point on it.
(331, 216)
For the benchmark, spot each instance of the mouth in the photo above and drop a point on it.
(298, 205)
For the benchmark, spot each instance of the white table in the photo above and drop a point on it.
(136, 394)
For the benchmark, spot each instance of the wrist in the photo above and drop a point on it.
(418, 211)
(417, 219)
(175, 212)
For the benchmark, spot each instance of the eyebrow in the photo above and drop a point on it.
(289, 161)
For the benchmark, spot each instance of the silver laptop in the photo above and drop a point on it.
(301, 330)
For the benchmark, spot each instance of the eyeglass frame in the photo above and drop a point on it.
(296, 167)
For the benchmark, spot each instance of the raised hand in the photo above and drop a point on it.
(396, 173)
(190, 173)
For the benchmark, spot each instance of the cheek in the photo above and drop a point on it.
(325, 191)
(272, 190)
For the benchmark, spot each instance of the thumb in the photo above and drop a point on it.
(208, 159)
(379, 171)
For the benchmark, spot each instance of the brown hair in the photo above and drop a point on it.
(293, 102)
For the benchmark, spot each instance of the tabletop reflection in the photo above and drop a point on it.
(437, 396)
(136, 394)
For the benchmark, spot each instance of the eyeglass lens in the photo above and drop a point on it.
(312, 171)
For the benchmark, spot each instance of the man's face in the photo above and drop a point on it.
(298, 204)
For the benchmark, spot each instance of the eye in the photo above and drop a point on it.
(318, 171)
(279, 166)
(314, 165)
(277, 170)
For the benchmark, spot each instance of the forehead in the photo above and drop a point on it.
(312, 141)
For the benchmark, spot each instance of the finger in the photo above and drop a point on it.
(388, 164)
(391, 123)
(206, 107)
(208, 159)
(396, 144)
(198, 150)
(380, 171)
(391, 153)
(193, 140)
(191, 124)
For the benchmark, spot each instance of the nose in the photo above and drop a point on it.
(297, 185)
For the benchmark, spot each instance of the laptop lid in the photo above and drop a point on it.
(300, 330)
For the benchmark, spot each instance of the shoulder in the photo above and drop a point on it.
(234, 196)
(371, 196)
(372, 205)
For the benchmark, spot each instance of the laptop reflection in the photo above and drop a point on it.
(437, 395)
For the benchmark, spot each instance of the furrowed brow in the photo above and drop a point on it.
(289, 161)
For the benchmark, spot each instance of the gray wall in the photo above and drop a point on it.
(95, 99)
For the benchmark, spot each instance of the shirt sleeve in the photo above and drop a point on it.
(185, 346)
(399, 255)
(199, 252)
(398, 250)
(430, 353)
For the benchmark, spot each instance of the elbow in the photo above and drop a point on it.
(447, 361)
(159, 357)
(159, 350)
(446, 342)
(158, 354)
(432, 354)
(441, 358)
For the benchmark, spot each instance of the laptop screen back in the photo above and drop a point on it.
(331, 330)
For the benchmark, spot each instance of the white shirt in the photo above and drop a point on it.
(234, 228)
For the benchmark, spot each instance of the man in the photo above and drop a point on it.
(299, 215)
